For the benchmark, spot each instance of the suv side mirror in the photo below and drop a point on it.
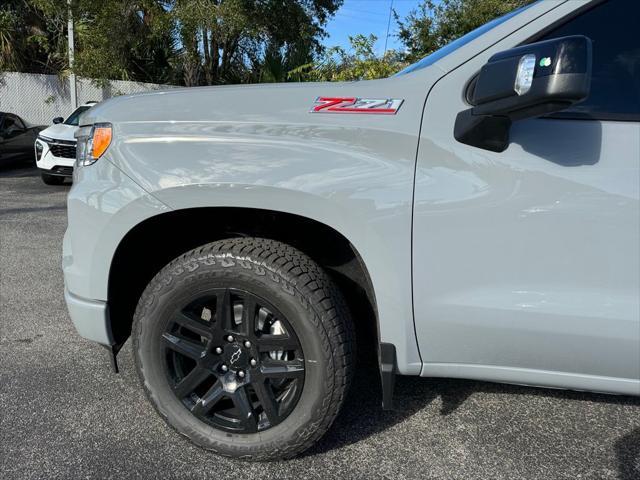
(524, 82)
(58, 120)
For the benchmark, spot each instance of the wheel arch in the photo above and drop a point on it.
(173, 233)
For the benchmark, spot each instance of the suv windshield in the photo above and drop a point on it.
(456, 44)
(75, 116)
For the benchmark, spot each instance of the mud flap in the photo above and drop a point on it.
(113, 354)
(388, 369)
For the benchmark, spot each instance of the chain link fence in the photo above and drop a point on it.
(39, 98)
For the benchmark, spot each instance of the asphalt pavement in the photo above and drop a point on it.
(63, 414)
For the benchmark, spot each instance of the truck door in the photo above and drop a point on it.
(526, 262)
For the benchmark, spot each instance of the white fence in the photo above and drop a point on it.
(40, 98)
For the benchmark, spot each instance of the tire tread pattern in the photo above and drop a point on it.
(289, 269)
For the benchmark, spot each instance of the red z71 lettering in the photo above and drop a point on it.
(380, 106)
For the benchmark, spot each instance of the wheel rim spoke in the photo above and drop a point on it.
(225, 311)
(188, 348)
(248, 317)
(282, 368)
(268, 401)
(209, 399)
(196, 326)
(246, 414)
(192, 381)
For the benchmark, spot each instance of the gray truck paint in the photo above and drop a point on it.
(490, 302)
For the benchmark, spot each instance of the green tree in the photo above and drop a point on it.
(195, 42)
(11, 40)
(206, 42)
(430, 26)
(234, 41)
(125, 40)
(434, 24)
(118, 39)
(29, 40)
(360, 62)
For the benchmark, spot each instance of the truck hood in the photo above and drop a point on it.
(264, 104)
(59, 131)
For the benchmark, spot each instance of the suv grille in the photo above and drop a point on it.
(63, 150)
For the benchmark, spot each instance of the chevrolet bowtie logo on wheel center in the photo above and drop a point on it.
(236, 356)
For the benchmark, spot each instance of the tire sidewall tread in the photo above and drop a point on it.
(288, 271)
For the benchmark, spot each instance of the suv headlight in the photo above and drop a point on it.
(39, 150)
(92, 143)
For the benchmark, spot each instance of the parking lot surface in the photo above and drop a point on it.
(63, 414)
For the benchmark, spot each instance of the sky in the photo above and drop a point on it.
(366, 16)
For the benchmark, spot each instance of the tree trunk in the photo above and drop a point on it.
(228, 50)
(192, 60)
(215, 59)
(207, 56)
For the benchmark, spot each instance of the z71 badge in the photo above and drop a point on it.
(380, 106)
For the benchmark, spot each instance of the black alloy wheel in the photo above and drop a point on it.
(246, 347)
(234, 361)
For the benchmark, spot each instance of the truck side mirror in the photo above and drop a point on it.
(58, 120)
(524, 82)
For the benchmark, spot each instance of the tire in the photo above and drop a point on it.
(309, 309)
(52, 179)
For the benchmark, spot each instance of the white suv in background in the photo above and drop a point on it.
(56, 147)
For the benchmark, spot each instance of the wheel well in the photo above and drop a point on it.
(152, 244)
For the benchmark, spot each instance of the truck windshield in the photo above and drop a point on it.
(456, 44)
(75, 116)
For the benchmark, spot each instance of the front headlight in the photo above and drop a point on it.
(92, 143)
(39, 149)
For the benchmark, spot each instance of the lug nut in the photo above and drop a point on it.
(241, 373)
(224, 368)
(247, 344)
(253, 362)
(230, 338)
(218, 350)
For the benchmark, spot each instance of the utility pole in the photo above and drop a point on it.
(72, 77)
(386, 39)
